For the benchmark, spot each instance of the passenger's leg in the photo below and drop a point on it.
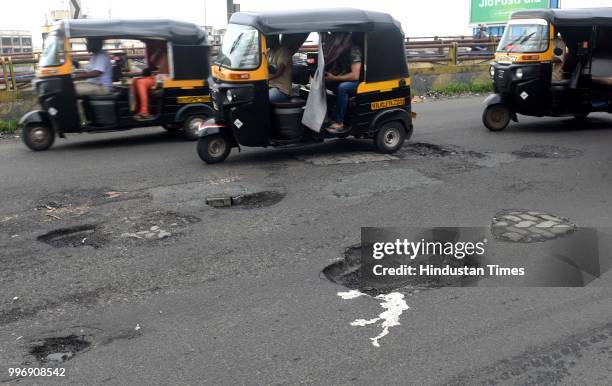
(277, 95)
(142, 90)
(345, 91)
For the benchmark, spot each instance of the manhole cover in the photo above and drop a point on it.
(522, 226)
(58, 349)
(546, 151)
(247, 201)
(347, 272)
(77, 236)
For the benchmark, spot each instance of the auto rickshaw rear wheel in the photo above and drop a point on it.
(390, 137)
(214, 148)
(497, 117)
(38, 136)
(192, 124)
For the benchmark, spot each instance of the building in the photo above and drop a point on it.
(15, 41)
(215, 35)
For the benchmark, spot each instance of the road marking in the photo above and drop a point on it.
(394, 305)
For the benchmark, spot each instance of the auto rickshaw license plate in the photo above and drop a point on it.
(388, 103)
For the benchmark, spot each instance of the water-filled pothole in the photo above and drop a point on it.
(347, 272)
(247, 201)
(58, 349)
(76, 236)
(547, 151)
(523, 226)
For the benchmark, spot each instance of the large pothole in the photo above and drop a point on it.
(523, 226)
(58, 349)
(76, 236)
(348, 273)
(247, 201)
(547, 151)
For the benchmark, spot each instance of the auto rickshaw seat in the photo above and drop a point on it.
(291, 103)
(115, 94)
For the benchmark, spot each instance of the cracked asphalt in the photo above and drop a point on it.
(108, 237)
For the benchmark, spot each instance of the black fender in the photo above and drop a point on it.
(217, 126)
(38, 116)
(383, 117)
(192, 109)
(498, 99)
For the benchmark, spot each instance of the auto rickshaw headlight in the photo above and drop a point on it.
(492, 71)
(229, 96)
(519, 73)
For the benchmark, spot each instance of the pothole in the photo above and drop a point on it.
(547, 151)
(77, 236)
(425, 149)
(347, 272)
(59, 349)
(522, 226)
(157, 225)
(247, 201)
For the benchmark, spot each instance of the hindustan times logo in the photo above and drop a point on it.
(412, 250)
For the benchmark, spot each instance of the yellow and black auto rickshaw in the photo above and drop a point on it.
(180, 99)
(380, 109)
(553, 62)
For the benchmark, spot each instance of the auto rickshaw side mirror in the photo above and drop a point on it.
(558, 51)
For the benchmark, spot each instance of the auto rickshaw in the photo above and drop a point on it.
(181, 100)
(573, 44)
(380, 110)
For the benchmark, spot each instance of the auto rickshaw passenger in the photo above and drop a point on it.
(343, 61)
(99, 73)
(559, 60)
(279, 56)
(158, 70)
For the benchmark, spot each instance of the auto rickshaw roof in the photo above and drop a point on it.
(315, 20)
(175, 31)
(570, 17)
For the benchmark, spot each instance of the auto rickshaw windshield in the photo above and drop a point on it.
(525, 38)
(240, 48)
(53, 54)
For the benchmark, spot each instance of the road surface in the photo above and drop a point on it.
(154, 286)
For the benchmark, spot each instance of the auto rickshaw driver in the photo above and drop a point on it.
(99, 73)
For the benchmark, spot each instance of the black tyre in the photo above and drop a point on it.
(38, 136)
(213, 149)
(192, 126)
(496, 117)
(172, 127)
(390, 137)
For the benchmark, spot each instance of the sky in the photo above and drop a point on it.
(418, 17)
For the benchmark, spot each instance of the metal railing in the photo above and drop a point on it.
(436, 50)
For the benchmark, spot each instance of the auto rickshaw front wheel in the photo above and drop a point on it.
(214, 148)
(497, 117)
(390, 137)
(38, 136)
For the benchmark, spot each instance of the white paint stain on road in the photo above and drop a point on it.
(394, 305)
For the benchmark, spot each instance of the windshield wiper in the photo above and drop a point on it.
(235, 44)
(519, 40)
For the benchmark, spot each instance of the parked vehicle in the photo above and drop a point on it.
(380, 110)
(180, 100)
(553, 62)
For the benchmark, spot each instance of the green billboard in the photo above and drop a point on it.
(499, 11)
